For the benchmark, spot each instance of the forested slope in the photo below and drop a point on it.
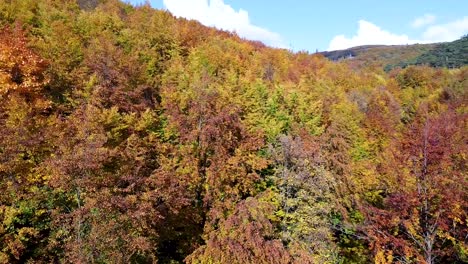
(378, 55)
(130, 136)
(450, 55)
(446, 54)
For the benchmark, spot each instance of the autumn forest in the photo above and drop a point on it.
(130, 136)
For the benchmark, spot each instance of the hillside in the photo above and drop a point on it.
(451, 55)
(131, 136)
(337, 55)
(379, 55)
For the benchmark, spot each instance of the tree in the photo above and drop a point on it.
(305, 197)
(246, 236)
(424, 218)
(24, 144)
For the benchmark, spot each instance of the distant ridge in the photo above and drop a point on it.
(447, 54)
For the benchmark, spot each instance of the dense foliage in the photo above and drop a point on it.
(130, 136)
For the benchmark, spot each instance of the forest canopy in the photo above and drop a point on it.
(131, 136)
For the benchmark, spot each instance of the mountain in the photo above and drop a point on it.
(128, 135)
(451, 55)
(379, 52)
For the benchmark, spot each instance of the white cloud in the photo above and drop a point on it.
(218, 14)
(422, 21)
(368, 34)
(447, 32)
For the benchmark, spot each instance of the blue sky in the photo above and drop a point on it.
(328, 25)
